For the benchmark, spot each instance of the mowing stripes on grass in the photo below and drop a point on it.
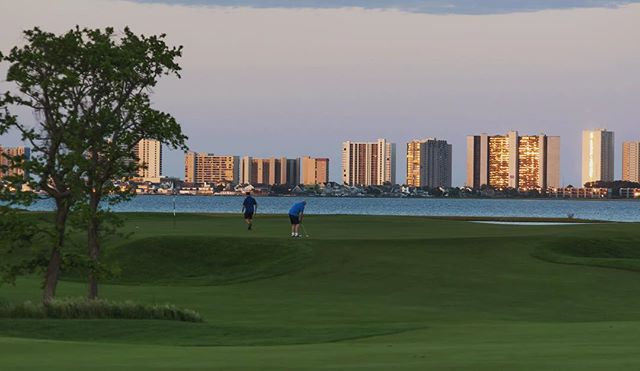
(81, 308)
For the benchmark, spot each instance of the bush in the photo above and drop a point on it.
(81, 308)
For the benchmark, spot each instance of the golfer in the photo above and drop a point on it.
(249, 208)
(295, 215)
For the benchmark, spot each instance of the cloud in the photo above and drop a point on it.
(418, 6)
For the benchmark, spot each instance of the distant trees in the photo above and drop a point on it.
(90, 91)
(615, 185)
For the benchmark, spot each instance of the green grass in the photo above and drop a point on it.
(361, 293)
(205, 260)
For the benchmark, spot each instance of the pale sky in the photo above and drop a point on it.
(292, 82)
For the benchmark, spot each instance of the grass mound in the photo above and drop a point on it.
(81, 308)
(191, 334)
(203, 260)
(597, 252)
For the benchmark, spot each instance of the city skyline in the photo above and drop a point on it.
(534, 164)
(264, 90)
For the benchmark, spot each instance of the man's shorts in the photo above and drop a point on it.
(248, 214)
(294, 219)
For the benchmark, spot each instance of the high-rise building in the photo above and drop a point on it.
(209, 168)
(429, 163)
(12, 152)
(631, 161)
(368, 163)
(149, 154)
(513, 161)
(315, 170)
(597, 156)
(270, 171)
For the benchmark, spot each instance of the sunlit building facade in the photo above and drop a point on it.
(597, 156)
(499, 153)
(429, 163)
(200, 168)
(631, 161)
(368, 163)
(513, 161)
(5, 163)
(270, 171)
(315, 170)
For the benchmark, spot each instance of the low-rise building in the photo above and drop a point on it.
(580, 193)
(629, 192)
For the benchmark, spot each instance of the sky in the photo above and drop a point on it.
(284, 78)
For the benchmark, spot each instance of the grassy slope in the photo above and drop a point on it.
(446, 293)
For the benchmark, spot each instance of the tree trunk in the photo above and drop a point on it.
(53, 273)
(55, 261)
(93, 245)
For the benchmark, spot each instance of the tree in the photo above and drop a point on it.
(90, 91)
(116, 75)
(40, 70)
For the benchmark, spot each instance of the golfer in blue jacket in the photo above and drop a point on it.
(295, 216)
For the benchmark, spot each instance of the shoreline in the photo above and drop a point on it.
(402, 198)
(507, 219)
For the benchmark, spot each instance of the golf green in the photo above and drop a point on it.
(362, 292)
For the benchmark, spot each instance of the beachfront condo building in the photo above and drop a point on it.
(315, 170)
(368, 163)
(149, 154)
(597, 156)
(429, 163)
(513, 161)
(202, 168)
(631, 161)
(270, 171)
(5, 162)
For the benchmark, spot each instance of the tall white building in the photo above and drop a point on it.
(631, 161)
(149, 154)
(368, 163)
(597, 156)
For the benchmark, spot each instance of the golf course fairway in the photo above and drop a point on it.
(361, 293)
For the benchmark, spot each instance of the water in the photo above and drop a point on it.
(622, 210)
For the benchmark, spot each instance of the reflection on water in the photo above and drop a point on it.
(601, 210)
(421, 6)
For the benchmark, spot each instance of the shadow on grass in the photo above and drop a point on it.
(615, 253)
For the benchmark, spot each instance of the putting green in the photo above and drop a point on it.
(361, 293)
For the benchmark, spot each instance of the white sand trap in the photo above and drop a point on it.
(528, 223)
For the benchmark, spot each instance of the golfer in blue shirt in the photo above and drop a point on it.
(249, 207)
(295, 216)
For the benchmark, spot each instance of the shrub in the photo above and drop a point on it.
(81, 308)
